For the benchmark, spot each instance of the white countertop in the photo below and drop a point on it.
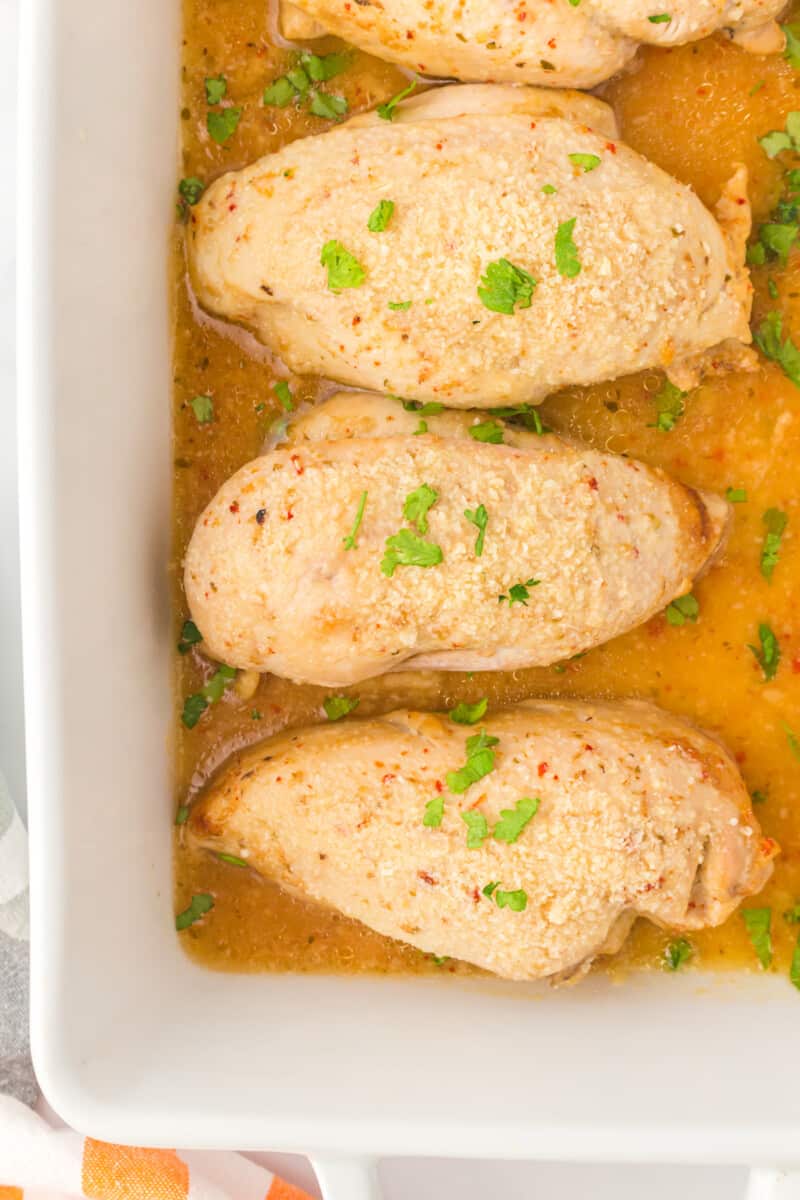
(410, 1179)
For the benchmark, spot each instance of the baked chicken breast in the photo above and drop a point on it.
(586, 816)
(365, 544)
(533, 41)
(488, 246)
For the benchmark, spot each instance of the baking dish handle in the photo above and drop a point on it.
(347, 1178)
(767, 1183)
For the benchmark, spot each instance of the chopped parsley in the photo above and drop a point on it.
(279, 93)
(525, 415)
(405, 549)
(669, 406)
(327, 106)
(480, 761)
(792, 51)
(519, 593)
(736, 495)
(200, 905)
(567, 261)
(490, 889)
(431, 409)
(350, 542)
(195, 705)
(487, 431)
(190, 636)
(678, 952)
(769, 339)
(283, 394)
(222, 124)
(513, 820)
(469, 714)
(203, 409)
(182, 815)
(775, 522)
(517, 900)
(380, 216)
(232, 860)
(660, 19)
(587, 161)
(387, 109)
(417, 505)
(778, 239)
(434, 811)
(757, 922)
(505, 287)
(323, 67)
(400, 305)
(477, 829)
(344, 271)
(337, 707)
(421, 428)
(216, 89)
(768, 655)
(683, 609)
(191, 189)
(778, 140)
(549, 190)
(478, 517)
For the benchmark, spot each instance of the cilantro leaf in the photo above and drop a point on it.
(683, 609)
(469, 714)
(736, 495)
(405, 549)
(232, 860)
(490, 889)
(517, 900)
(203, 409)
(487, 431)
(222, 124)
(778, 239)
(775, 142)
(792, 50)
(478, 517)
(769, 339)
(195, 705)
(216, 88)
(193, 708)
(757, 922)
(587, 161)
(279, 93)
(190, 636)
(201, 904)
(417, 504)
(387, 109)
(323, 104)
(678, 952)
(434, 811)
(337, 707)
(380, 216)
(505, 287)
(768, 655)
(283, 394)
(513, 820)
(776, 522)
(321, 68)
(525, 415)
(519, 593)
(344, 271)
(567, 261)
(480, 761)
(350, 542)
(431, 409)
(477, 829)
(191, 189)
(669, 401)
(549, 190)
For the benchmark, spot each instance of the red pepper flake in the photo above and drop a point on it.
(589, 748)
(611, 147)
(388, 778)
(552, 43)
(232, 207)
(796, 666)
(234, 508)
(289, 515)
(426, 878)
(410, 35)
(542, 769)
(439, 786)
(476, 896)
(593, 484)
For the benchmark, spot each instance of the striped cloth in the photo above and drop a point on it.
(37, 1159)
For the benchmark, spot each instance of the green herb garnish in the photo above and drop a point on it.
(468, 714)
(769, 339)
(216, 88)
(283, 394)
(190, 636)
(504, 287)
(182, 815)
(776, 522)
(513, 820)
(417, 505)
(222, 124)
(669, 401)
(279, 93)
(757, 922)
(191, 189)
(380, 216)
(203, 409)
(434, 811)
(678, 952)
(567, 261)
(768, 655)
(517, 900)
(344, 271)
(736, 495)
(387, 110)
(337, 707)
(350, 542)
(587, 161)
(683, 609)
(519, 593)
(477, 829)
(325, 105)
(232, 860)
(478, 517)
(405, 549)
(200, 905)
(480, 761)
(487, 431)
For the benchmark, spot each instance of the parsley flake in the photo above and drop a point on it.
(405, 549)
(477, 829)
(191, 189)
(769, 339)
(682, 609)
(478, 517)
(325, 105)
(387, 110)
(480, 761)
(525, 415)
(337, 707)
(400, 305)
(434, 811)
(669, 406)
(517, 900)
(350, 542)
(232, 860)
(757, 922)
(736, 495)
(487, 431)
(567, 261)
(199, 906)
(469, 714)
(431, 409)
(519, 593)
(776, 522)
(190, 636)
(182, 815)
(283, 394)
(279, 93)
(323, 67)
(504, 287)
(417, 505)
(203, 409)
(792, 51)
(660, 19)
(380, 216)
(768, 655)
(549, 190)
(513, 820)
(195, 705)
(216, 88)
(587, 161)
(344, 271)
(678, 952)
(222, 124)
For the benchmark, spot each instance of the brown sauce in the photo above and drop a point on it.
(696, 111)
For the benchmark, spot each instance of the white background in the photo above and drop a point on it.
(403, 1180)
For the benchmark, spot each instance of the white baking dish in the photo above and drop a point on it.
(133, 1043)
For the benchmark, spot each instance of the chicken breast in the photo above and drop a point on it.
(489, 246)
(365, 544)
(534, 41)
(586, 816)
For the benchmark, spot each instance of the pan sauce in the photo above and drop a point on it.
(695, 111)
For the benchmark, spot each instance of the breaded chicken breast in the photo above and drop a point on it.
(488, 246)
(565, 44)
(365, 544)
(527, 846)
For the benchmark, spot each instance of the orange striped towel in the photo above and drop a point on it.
(35, 1158)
